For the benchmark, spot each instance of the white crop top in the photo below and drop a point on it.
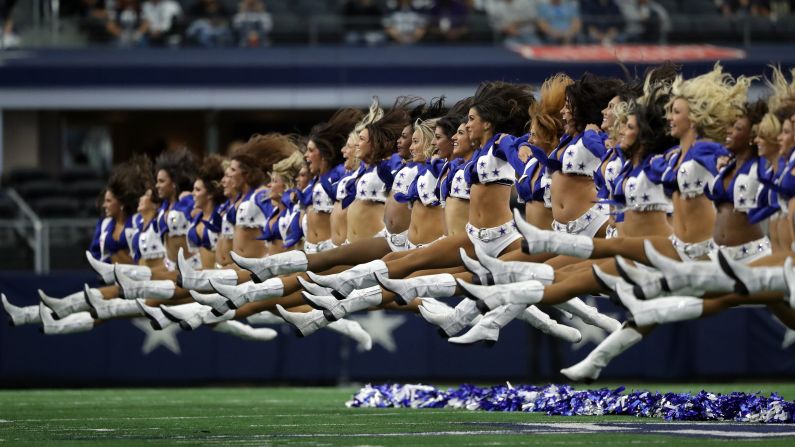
(403, 179)
(249, 213)
(459, 188)
(321, 202)
(370, 187)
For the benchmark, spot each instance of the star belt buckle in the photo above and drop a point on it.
(482, 234)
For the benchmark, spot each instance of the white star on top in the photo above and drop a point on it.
(380, 326)
(166, 337)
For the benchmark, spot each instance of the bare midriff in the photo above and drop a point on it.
(365, 219)
(339, 224)
(538, 215)
(693, 219)
(222, 249)
(489, 205)
(572, 196)
(396, 215)
(318, 226)
(427, 223)
(645, 223)
(732, 227)
(173, 244)
(245, 242)
(456, 215)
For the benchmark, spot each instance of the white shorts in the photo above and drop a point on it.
(493, 240)
(697, 251)
(586, 225)
(320, 246)
(397, 241)
(748, 252)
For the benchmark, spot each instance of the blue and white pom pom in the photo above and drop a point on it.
(562, 400)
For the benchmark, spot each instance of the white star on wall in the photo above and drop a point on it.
(380, 326)
(166, 337)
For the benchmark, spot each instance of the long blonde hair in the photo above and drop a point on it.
(426, 129)
(715, 100)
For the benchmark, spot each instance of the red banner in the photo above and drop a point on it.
(629, 53)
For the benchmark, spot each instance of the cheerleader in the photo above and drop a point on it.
(128, 186)
(208, 199)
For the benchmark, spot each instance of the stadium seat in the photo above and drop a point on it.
(79, 173)
(56, 207)
(19, 176)
(85, 189)
(479, 28)
(289, 28)
(35, 190)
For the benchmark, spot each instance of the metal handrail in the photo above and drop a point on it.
(41, 260)
(40, 242)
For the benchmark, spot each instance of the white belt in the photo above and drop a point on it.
(490, 234)
(694, 250)
(749, 249)
(579, 224)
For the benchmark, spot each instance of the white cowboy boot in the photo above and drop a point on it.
(105, 270)
(481, 275)
(191, 317)
(19, 316)
(245, 331)
(214, 300)
(449, 320)
(492, 297)
(358, 277)
(334, 309)
(591, 366)
(642, 277)
(751, 280)
(70, 324)
(161, 289)
(590, 315)
(157, 319)
(789, 280)
(316, 289)
(264, 317)
(293, 261)
(75, 302)
(541, 321)
(353, 330)
(306, 323)
(488, 328)
(199, 280)
(545, 241)
(607, 281)
(679, 276)
(433, 286)
(186, 315)
(662, 310)
(103, 309)
(248, 292)
(504, 272)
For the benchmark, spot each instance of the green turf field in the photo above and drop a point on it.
(266, 416)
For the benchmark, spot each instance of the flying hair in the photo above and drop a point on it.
(715, 100)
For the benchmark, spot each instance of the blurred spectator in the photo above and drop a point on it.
(559, 21)
(744, 7)
(602, 21)
(515, 20)
(363, 22)
(644, 20)
(404, 23)
(94, 20)
(209, 25)
(160, 22)
(253, 24)
(10, 38)
(112, 21)
(448, 20)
